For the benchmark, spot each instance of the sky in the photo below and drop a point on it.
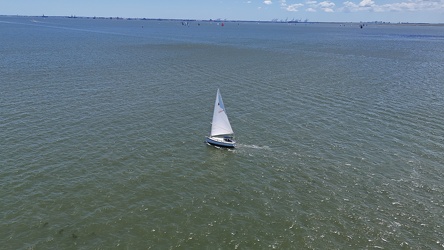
(394, 11)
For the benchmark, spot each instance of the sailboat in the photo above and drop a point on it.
(221, 132)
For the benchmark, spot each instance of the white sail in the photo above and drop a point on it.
(220, 124)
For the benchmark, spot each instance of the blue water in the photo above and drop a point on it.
(103, 122)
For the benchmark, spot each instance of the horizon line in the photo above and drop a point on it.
(293, 21)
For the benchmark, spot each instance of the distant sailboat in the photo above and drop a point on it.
(221, 131)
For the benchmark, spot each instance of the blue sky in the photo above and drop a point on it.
(265, 10)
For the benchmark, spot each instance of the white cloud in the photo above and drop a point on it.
(410, 5)
(268, 2)
(366, 3)
(362, 5)
(327, 5)
(314, 6)
(294, 7)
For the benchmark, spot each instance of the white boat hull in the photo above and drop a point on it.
(221, 142)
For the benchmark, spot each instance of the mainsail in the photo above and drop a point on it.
(220, 124)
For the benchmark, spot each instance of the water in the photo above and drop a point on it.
(339, 130)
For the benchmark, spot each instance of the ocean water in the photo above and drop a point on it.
(103, 122)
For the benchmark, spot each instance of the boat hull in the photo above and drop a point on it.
(221, 142)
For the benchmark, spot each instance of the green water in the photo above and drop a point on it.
(103, 122)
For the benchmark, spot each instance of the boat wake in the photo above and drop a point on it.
(254, 146)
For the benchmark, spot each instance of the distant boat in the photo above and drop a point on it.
(221, 132)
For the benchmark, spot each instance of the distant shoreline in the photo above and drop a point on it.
(232, 21)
